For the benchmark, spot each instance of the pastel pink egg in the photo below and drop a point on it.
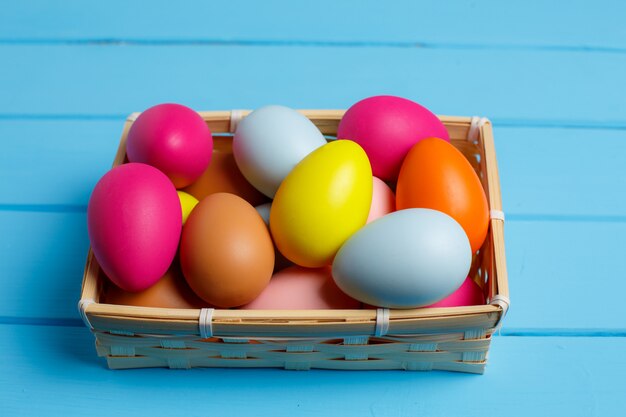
(383, 200)
(387, 127)
(134, 220)
(173, 138)
(299, 288)
(468, 294)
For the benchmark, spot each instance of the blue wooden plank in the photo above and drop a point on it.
(508, 86)
(562, 173)
(42, 257)
(566, 276)
(545, 172)
(557, 271)
(405, 23)
(54, 371)
(55, 162)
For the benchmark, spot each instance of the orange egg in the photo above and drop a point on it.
(171, 291)
(226, 252)
(223, 176)
(436, 175)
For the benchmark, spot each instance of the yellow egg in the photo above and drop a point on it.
(321, 203)
(187, 202)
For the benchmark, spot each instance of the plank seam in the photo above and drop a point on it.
(498, 122)
(311, 43)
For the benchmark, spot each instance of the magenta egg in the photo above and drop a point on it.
(387, 127)
(173, 138)
(468, 294)
(134, 221)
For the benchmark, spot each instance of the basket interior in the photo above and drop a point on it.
(178, 321)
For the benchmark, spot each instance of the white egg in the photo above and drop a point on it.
(407, 259)
(269, 142)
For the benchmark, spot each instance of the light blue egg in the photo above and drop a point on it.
(270, 142)
(264, 212)
(407, 259)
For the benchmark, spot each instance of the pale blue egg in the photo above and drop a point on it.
(407, 259)
(270, 142)
(264, 212)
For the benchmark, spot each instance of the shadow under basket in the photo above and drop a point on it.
(450, 339)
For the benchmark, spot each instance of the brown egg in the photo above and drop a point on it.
(171, 291)
(226, 252)
(223, 176)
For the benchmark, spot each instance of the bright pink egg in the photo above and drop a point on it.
(383, 200)
(134, 221)
(299, 288)
(468, 294)
(387, 127)
(173, 138)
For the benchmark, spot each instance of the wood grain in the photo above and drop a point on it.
(403, 23)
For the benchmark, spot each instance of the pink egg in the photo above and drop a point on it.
(383, 200)
(174, 139)
(468, 294)
(299, 288)
(134, 222)
(387, 127)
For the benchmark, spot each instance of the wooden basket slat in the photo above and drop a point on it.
(326, 121)
(391, 351)
(298, 329)
(364, 365)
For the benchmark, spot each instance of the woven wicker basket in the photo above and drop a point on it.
(451, 339)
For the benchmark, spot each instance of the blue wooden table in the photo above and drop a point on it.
(552, 78)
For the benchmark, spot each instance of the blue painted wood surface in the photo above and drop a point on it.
(401, 23)
(513, 87)
(550, 76)
(537, 376)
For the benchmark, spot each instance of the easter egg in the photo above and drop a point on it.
(468, 294)
(223, 176)
(171, 291)
(298, 288)
(383, 200)
(187, 203)
(173, 138)
(386, 127)
(264, 212)
(134, 223)
(280, 261)
(270, 141)
(321, 203)
(406, 259)
(226, 252)
(436, 175)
